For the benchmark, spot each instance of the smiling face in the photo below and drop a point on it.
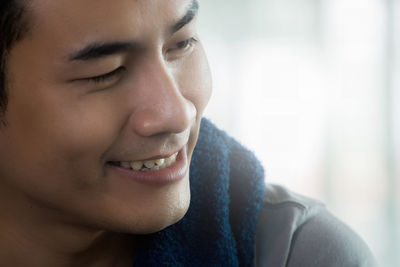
(95, 87)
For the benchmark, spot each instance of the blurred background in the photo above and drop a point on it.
(312, 87)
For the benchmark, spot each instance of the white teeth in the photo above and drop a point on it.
(149, 164)
(159, 162)
(152, 165)
(170, 160)
(136, 165)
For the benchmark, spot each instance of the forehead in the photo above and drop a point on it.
(58, 27)
(97, 16)
(88, 7)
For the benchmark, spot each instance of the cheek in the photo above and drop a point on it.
(53, 119)
(195, 80)
(68, 134)
(85, 135)
(60, 146)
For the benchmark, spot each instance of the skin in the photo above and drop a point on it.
(61, 203)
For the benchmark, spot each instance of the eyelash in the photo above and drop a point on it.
(185, 44)
(107, 76)
(103, 78)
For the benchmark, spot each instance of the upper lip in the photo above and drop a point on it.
(153, 157)
(158, 148)
(159, 156)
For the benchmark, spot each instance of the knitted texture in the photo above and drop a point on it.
(227, 191)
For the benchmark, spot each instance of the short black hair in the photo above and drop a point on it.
(13, 27)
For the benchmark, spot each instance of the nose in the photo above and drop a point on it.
(160, 105)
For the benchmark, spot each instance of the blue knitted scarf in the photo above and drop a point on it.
(227, 191)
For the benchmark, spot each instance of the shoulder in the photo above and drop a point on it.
(294, 230)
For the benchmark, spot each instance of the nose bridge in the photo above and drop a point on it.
(162, 107)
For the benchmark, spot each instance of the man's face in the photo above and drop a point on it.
(94, 85)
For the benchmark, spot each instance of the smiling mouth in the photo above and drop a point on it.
(147, 165)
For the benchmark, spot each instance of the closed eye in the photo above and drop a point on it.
(183, 45)
(106, 77)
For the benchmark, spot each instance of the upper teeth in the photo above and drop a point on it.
(150, 164)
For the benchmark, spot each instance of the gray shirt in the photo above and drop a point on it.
(295, 231)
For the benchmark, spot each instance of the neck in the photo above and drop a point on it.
(30, 237)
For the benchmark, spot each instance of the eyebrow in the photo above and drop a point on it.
(189, 16)
(98, 50)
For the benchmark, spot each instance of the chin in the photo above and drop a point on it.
(160, 219)
(153, 214)
(164, 211)
(162, 223)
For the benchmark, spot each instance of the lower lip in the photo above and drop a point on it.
(169, 175)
